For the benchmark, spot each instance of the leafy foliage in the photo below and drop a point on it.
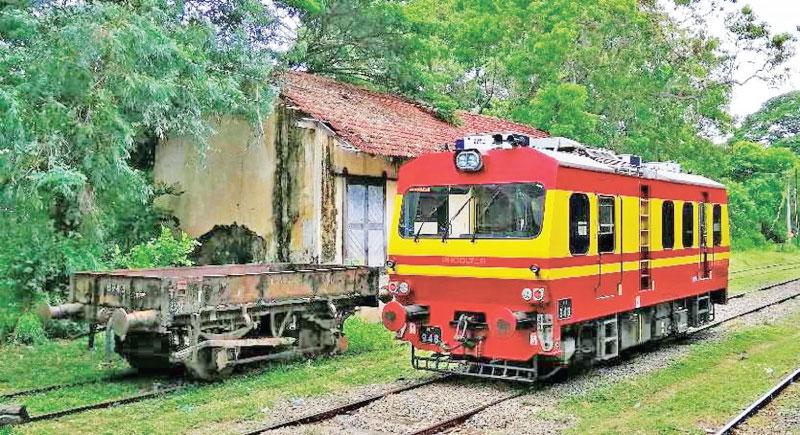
(29, 330)
(777, 123)
(756, 189)
(84, 87)
(166, 250)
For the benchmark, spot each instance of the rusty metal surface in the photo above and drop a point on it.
(190, 289)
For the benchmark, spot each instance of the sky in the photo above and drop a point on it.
(783, 16)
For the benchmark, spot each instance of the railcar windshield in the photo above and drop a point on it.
(492, 211)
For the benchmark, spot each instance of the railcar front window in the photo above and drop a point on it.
(514, 210)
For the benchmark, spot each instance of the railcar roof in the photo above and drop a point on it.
(572, 160)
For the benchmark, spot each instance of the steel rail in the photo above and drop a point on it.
(124, 375)
(783, 268)
(339, 410)
(760, 403)
(766, 287)
(745, 313)
(102, 405)
(769, 266)
(462, 418)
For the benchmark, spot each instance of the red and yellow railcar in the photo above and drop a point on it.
(514, 257)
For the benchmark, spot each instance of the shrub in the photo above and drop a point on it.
(29, 330)
(165, 250)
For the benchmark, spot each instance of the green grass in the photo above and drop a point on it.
(753, 279)
(229, 406)
(699, 392)
(54, 362)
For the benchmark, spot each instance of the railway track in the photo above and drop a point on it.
(437, 427)
(30, 391)
(455, 421)
(766, 287)
(760, 403)
(351, 406)
(105, 404)
(769, 266)
(155, 392)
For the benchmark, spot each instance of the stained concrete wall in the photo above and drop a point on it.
(285, 183)
(228, 183)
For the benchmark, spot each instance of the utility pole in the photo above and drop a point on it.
(796, 214)
(789, 233)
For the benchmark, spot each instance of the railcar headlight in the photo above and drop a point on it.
(469, 161)
(403, 289)
(527, 294)
(533, 294)
(399, 288)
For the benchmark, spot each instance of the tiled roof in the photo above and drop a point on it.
(384, 124)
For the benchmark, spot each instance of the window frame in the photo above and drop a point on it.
(600, 224)
(572, 235)
(690, 222)
(438, 235)
(665, 232)
(716, 225)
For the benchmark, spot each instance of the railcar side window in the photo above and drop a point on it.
(668, 225)
(717, 224)
(578, 223)
(688, 224)
(605, 233)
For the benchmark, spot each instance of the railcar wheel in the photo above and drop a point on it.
(205, 365)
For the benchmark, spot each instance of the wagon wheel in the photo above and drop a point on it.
(150, 363)
(325, 341)
(205, 365)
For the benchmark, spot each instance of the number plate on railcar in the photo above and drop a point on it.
(430, 334)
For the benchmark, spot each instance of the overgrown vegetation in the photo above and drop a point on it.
(86, 90)
(166, 250)
(757, 268)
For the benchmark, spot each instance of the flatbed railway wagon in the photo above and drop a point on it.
(515, 257)
(213, 318)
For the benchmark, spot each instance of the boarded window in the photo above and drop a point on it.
(717, 224)
(668, 225)
(578, 223)
(688, 225)
(605, 229)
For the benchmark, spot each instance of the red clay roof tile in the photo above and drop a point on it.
(385, 124)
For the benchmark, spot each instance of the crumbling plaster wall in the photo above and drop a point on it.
(286, 184)
(230, 182)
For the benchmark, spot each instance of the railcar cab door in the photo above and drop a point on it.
(609, 249)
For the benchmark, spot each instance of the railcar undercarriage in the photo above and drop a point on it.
(586, 343)
(212, 344)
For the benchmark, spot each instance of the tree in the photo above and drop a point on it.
(622, 74)
(82, 84)
(777, 123)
